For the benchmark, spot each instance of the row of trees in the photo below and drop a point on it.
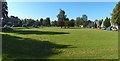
(47, 22)
(63, 20)
(67, 23)
(32, 22)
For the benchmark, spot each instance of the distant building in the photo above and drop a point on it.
(90, 25)
(98, 23)
(102, 25)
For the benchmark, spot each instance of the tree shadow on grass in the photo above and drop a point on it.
(73, 28)
(33, 32)
(25, 48)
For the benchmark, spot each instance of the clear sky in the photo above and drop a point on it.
(37, 10)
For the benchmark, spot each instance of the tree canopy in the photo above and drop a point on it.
(4, 10)
(61, 18)
(116, 14)
(107, 22)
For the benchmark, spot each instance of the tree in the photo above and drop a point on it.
(67, 23)
(85, 24)
(24, 23)
(36, 23)
(79, 21)
(41, 21)
(84, 17)
(48, 21)
(54, 23)
(107, 22)
(4, 13)
(116, 14)
(61, 18)
(60, 23)
(20, 23)
(44, 22)
(72, 22)
(30, 22)
(4, 10)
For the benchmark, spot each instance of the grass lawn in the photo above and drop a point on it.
(57, 43)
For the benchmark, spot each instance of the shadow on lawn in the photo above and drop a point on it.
(32, 32)
(25, 48)
(73, 28)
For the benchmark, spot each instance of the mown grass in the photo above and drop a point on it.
(57, 43)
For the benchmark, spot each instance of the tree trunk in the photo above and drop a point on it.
(65, 26)
(68, 27)
(61, 26)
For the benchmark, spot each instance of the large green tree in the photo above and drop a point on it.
(79, 21)
(61, 18)
(4, 13)
(116, 14)
(107, 22)
(72, 22)
(4, 10)
(48, 21)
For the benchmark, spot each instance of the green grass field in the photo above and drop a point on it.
(57, 43)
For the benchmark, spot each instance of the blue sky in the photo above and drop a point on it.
(37, 10)
(62, 0)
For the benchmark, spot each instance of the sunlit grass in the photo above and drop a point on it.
(61, 43)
